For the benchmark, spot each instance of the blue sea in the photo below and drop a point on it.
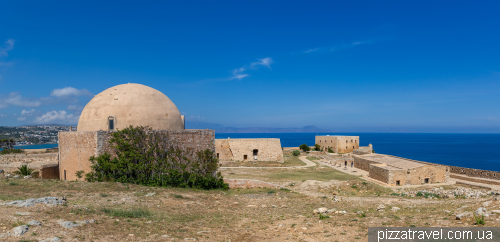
(479, 151)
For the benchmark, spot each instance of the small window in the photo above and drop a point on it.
(398, 182)
(245, 157)
(426, 180)
(111, 123)
(65, 175)
(255, 152)
(217, 155)
(353, 147)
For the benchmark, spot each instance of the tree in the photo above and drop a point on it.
(296, 153)
(317, 147)
(304, 147)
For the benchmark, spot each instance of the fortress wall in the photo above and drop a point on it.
(76, 148)
(475, 172)
(379, 173)
(9, 163)
(237, 149)
(362, 163)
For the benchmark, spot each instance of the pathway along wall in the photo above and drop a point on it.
(76, 148)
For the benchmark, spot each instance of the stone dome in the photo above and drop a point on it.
(130, 104)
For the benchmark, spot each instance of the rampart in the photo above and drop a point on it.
(76, 148)
(249, 149)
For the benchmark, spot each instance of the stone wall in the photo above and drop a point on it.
(363, 150)
(9, 163)
(379, 173)
(238, 149)
(339, 144)
(363, 164)
(76, 148)
(475, 172)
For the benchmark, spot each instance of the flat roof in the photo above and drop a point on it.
(392, 161)
(336, 136)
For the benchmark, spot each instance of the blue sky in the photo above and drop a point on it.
(354, 66)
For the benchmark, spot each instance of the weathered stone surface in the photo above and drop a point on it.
(481, 212)
(247, 183)
(463, 215)
(34, 223)
(150, 194)
(322, 210)
(50, 201)
(381, 207)
(20, 230)
(394, 209)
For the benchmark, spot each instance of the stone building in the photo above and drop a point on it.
(396, 171)
(249, 150)
(117, 108)
(338, 144)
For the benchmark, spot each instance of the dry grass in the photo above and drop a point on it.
(289, 161)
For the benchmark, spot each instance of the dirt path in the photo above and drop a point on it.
(302, 158)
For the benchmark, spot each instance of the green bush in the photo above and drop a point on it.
(480, 220)
(323, 217)
(24, 170)
(79, 174)
(11, 151)
(296, 153)
(330, 150)
(148, 157)
(304, 147)
(317, 147)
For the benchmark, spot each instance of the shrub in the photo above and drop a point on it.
(24, 170)
(330, 150)
(304, 147)
(296, 153)
(147, 157)
(79, 174)
(480, 220)
(317, 147)
(323, 217)
(11, 151)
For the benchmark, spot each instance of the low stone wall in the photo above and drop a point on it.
(247, 183)
(475, 180)
(475, 172)
(10, 163)
(363, 151)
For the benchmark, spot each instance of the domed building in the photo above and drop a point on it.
(117, 108)
(127, 105)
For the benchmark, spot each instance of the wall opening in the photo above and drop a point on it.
(398, 182)
(217, 155)
(255, 152)
(111, 123)
(245, 157)
(426, 180)
(65, 175)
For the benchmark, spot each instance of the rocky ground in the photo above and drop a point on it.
(318, 204)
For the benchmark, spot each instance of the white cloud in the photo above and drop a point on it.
(7, 46)
(70, 91)
(238, 73)
(262, 62)
(3, 115)
(75, 107)
(21, 119)
(27, 113)
(60, 117)
(14, 98)
(311, 50)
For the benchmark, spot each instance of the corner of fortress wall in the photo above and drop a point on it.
(76, 148)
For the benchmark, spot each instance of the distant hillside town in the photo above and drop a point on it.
(33, 134)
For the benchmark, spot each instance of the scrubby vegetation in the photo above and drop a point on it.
(11, 151)
(146, 157)
(304, 147)
(296, 153)
(24, 170)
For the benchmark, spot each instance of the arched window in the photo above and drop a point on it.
(111, 122)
